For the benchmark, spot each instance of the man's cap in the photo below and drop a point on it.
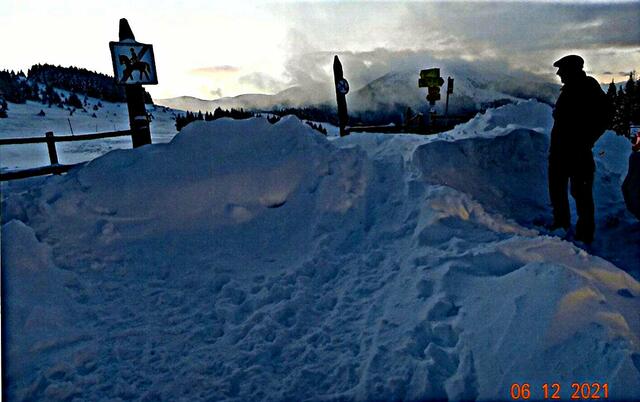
(570, 62)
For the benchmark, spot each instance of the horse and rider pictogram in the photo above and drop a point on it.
(133, 63)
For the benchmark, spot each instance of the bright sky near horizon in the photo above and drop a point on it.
(211, 49)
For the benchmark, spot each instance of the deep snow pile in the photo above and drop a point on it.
(499, 158)
(247, 261)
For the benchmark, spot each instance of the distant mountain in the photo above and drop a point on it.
(296, 96)
(472, 91)
(189, 103)
(392, 93)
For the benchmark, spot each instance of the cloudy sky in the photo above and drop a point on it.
(210, 49)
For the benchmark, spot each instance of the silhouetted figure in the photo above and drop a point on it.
(631, 184)
(581, 114)
(134, 56)
(133, 64)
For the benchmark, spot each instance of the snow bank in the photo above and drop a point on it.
(40, 316)
(250, 261)
(529, 114)
(515, 162)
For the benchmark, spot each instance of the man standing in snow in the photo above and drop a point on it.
(581, 115)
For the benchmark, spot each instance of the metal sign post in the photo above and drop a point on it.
(342, 89)
(449, 91)
(133, 66)
(431, 79)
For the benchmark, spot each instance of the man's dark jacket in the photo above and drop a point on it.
(582, 113)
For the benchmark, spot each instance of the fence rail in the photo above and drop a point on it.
(50, 139)
(64, 138)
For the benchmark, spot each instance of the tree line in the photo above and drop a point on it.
(81, 80)
(238, 114)
(626, 103)
(16, 88)
(41, 79)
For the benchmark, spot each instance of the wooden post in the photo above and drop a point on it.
(138, 120)
(51, 147)
(449, 91)
(446, 108)
(342, 87)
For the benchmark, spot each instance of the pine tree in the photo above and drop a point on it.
(74, 101)
(273, 119)
(628, 105)
(179, 122)
(634, 101)
(611, 91)
(629, 87)
(619, 117)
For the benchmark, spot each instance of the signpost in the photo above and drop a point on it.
(342, 89)
(133, 62)
(133, 66)
(431, 79)
(449, 91)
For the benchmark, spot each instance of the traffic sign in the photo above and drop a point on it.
(434, 94)
(342, 86)
(430, 78)
(133, 62)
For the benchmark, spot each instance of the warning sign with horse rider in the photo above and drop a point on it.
(133, 62)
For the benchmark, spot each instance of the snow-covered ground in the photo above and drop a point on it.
(250, 261)
(24, 122)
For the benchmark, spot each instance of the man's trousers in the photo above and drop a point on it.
(577, 171)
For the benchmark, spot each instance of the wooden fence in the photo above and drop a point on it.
(50, 139)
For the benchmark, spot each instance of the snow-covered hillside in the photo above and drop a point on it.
(23, 121)
(473, 90)
(250, 261)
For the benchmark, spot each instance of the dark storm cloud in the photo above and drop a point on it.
(529, 35)
(216, 92)
(527, 26)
